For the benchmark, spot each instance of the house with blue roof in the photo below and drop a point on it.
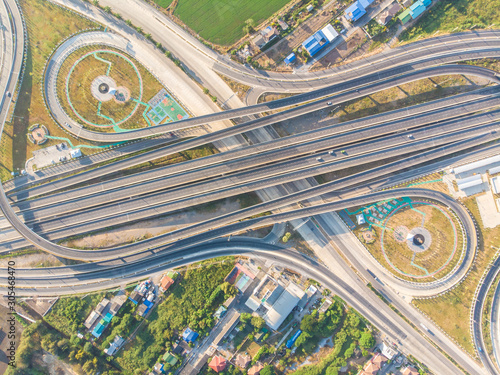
(99, 328)
(354, 12)
(357, 10)
(417, 8)
(320, 39)
(290, 58)
(189, 335)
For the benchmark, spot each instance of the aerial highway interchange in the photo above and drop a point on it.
(424, 138)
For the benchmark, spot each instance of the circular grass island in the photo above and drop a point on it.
(419, 241)
(107, 90)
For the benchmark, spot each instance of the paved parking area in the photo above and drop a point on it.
(51, 155)
(488, 210)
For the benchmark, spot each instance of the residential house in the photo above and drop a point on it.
(92, 318)
(255, 369)
(408, 370)
(374, 365)
(388, 14)
(218, 363)
(189, 335)
(165, 283)
(114, 345)
(170, 358)
(265, 36)
(283, 25)
(243, 360)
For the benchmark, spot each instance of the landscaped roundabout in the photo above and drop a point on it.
(415, 240)
(105, 89)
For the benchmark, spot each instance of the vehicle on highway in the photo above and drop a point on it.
(320, 159)
(8, 94)
(329, 103)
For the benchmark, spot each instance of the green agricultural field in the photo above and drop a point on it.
(455, 16)
(222, 22)
(163, 3)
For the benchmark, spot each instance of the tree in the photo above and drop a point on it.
(302, 339)
(245, 317)
(96, 3)
(258, 323)
(88, 347)
(366, 340)
(107, 9)
(128, 22)
(308, 324)
(249, 26)
(63, 344)
(267, 370)
(332, 370)
(228, 289)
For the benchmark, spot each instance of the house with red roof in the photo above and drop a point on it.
(218, 363)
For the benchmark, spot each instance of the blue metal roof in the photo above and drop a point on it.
(189, 335)
(98, 330)
(355, 11)
(315, 43)
(290, 58)
(365, 3)
(417, 9)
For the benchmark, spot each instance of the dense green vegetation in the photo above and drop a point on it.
(123, 324)
(69, 313)
(455, 16)
(223, 22)
(348, 331)
(191, 302)
(256, 322)
(39, 336)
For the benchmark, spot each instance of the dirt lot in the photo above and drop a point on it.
(53, 364)
(32, 260)
(153, 227)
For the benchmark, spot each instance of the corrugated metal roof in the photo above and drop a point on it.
(468, 179)
(417, 9)
(355, 11)
(366, 3)
(403, 17)
(476, 164)
(470, 184)
(494, 170)
(283, 306)
(495, 183)
(329, 32)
